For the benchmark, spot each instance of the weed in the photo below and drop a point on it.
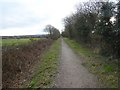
(17, 60)
(46, 72)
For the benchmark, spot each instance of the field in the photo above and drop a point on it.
(9, 42)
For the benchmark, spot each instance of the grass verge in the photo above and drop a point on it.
(105, 70)
(43, 78)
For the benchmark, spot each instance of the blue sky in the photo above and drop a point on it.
(24, 17)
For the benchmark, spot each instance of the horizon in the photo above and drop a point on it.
(31, 16)
(27, 17)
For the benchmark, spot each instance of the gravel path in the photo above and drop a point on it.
(71, 73)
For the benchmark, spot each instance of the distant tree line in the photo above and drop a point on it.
(53, 32)
(93, 26)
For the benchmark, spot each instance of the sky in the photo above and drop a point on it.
(29, 17)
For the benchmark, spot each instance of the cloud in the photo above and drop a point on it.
(15, 14)
(24, 16)
(31, 30)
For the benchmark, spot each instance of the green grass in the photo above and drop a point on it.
(0, 42)
(33, 39)
(105, 70)
(81, 49)
(9, 42)
(46, 72)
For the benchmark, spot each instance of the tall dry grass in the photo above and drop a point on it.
(18, 59)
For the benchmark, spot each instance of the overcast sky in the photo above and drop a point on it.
(21, 17)
(24, 17)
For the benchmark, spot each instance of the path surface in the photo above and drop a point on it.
(71, 73)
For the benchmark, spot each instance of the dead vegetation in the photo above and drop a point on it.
(17, 60)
